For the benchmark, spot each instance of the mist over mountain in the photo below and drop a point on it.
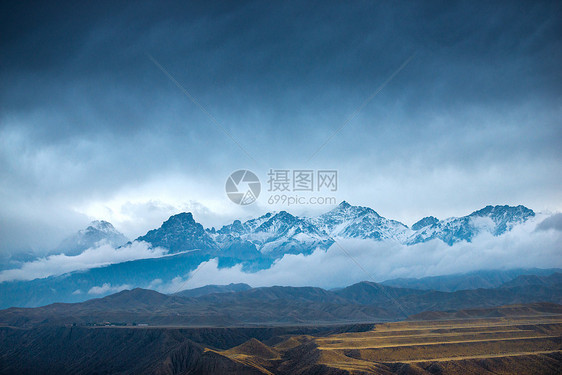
(98, 232)
(257, 249)
(276, 234)
(280, 188)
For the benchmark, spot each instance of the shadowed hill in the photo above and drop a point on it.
(361, 302)
(99, 351)
(471, 280)
(210, 289)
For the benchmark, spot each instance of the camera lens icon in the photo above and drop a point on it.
(243, 187)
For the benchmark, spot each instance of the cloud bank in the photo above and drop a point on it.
(90, 258)
(553, 222)
(535, 243)
(523, 247)
(107, 288)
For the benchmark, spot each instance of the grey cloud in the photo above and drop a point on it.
(86, 117)
(94, 257)
(552, 222)
(520, 248)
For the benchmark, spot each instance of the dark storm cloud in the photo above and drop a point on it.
(85, 114)
(485, 52)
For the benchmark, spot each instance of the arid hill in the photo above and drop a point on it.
(527, 339)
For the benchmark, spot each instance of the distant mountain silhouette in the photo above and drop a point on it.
(97, 233)
(210, 289)
(471, 280)
(361, 302)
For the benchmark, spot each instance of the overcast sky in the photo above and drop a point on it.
(91, 127)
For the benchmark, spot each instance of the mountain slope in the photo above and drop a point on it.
(276, 234)
(96, 233)
(211, 289)
(471, 280)
(361, 302)
(492, 219)
(347, 221)
(254, 245)
(459, 345)
(77, 286)
(179, 233)
(134, 351)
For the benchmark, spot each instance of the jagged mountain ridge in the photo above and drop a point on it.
(347, 221)
(179, 233)
(254, 245)
(275, 234)
(279, 233)
(493, 219)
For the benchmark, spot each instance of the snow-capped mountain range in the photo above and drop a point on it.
(253, 244)
(278, 233)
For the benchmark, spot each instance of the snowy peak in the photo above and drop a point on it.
(504, 217)
(97, 233)
(280, 222)
(349, 221)
(274, 234)
(278, 233)
(180, 233)
(425, 222)
(344, 204)
(241, 228)
(492, 219)
(102, 226)
(345, 209)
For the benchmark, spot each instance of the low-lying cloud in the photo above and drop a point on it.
(91, 258)
(536, 243)
(107, 288)
(553, 222)
(353, 260)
